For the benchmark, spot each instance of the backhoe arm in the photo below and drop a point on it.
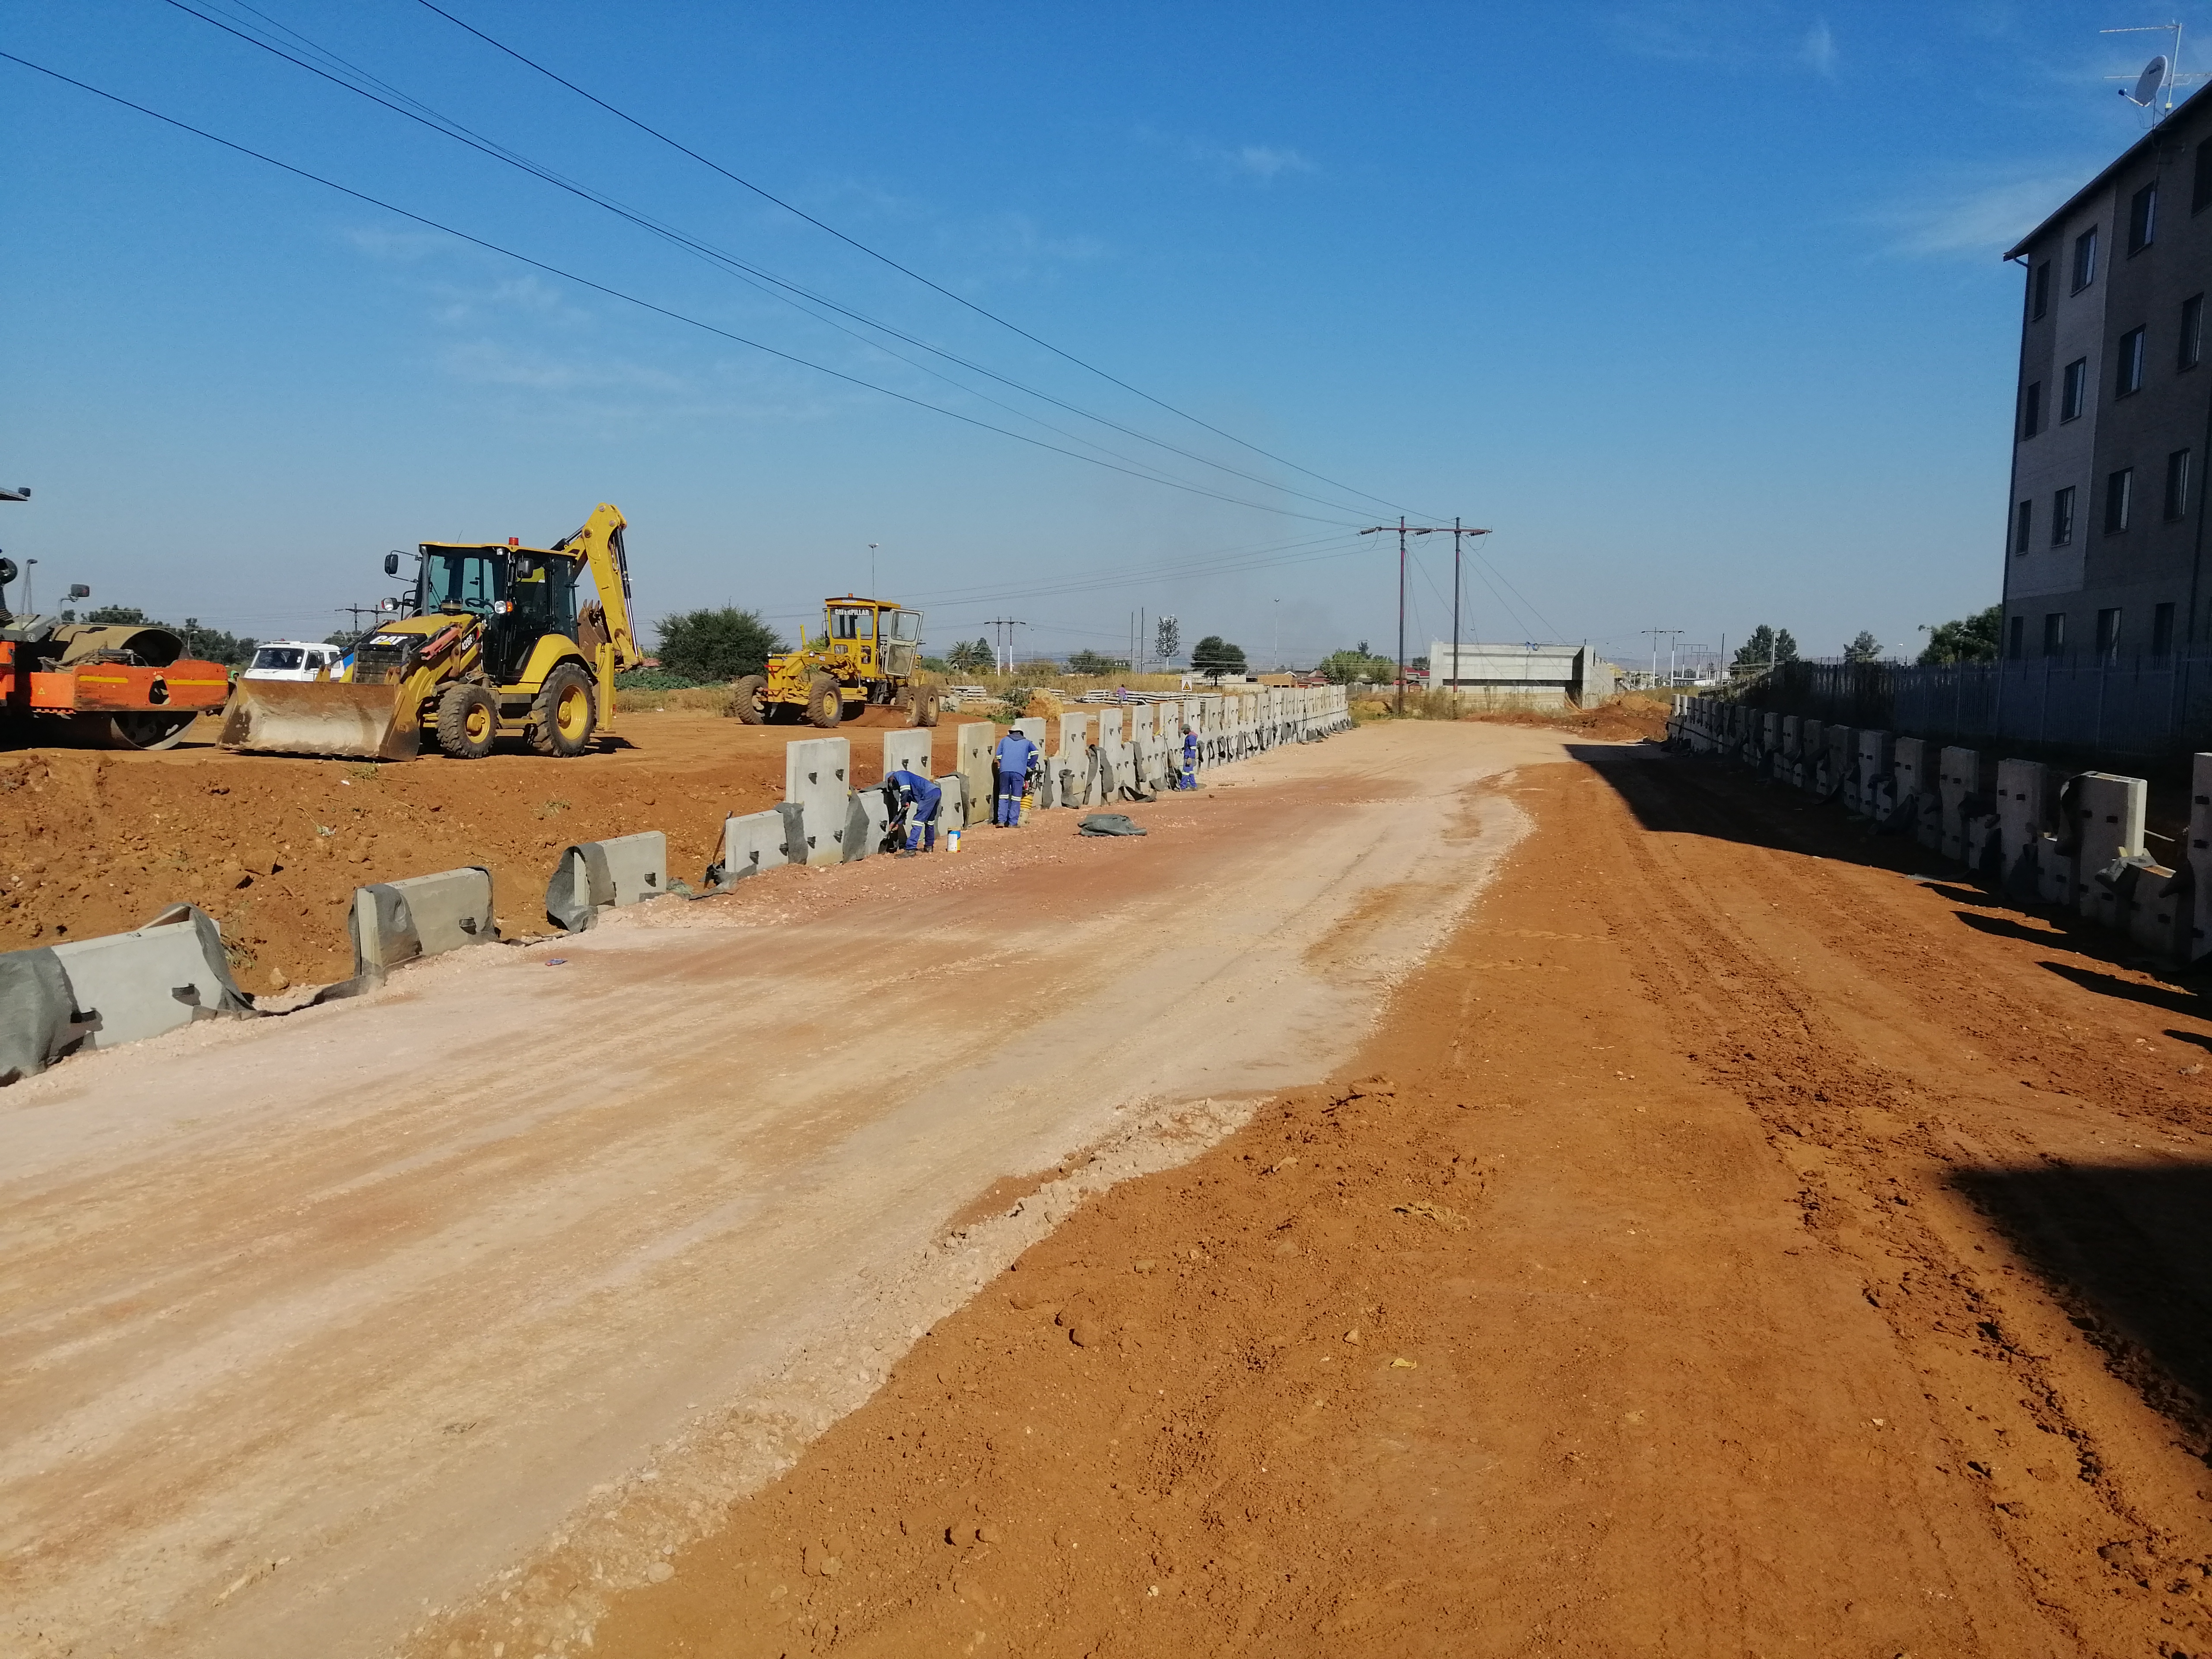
(601, 541)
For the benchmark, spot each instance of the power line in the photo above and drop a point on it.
(752, 275)
(647, 304)
(766, 196)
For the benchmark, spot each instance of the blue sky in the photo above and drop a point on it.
(1698, 305)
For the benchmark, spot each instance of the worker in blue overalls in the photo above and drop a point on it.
(1015, 751)
(915, 800)
(1189, 780)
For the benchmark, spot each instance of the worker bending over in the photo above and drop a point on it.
(914, 800)
(1189, 780)
(1015, 752)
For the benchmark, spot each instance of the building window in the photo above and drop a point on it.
(2120, 497)
(2142, 218)
(2176, 484)
(2054, 634)
(2084, 258)
(2062, 516)
(2030, 409)
(2016, 639)
(2200, 197)
(2039, 291)
(2074, 389)
(2130, 377)
(2023, 525)
(2161, 630)
(2108, 633)
(2189, 350)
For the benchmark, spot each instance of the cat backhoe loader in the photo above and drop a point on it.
(492, 642)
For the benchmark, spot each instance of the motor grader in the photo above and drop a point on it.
(492, 641)
(869, 655)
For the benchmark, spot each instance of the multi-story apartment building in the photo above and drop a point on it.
(2113, 427)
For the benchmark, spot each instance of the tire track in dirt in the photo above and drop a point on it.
(1644, 1311)
(1842, 1119)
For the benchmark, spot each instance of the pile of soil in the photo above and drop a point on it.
(273, 846)
(1624, 719)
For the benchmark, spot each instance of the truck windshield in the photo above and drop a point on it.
(467, 578)
(275, 656)
(851, 622)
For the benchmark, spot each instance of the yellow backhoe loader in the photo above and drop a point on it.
(870, 653)
(492, 641)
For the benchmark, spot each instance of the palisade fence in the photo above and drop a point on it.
(2152, 708)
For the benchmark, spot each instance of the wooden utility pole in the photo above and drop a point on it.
(1404, 531)
(1456, 533)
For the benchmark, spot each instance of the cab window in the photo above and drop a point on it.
(465, 580)
(906, 626)
(850, 623)
(544, 592)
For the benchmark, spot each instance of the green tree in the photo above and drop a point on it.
(1215, 657)
(123, 615)
(970, 657)
(1865, 649)
(1765, 648)
(1343, 667)
(1970, 638)
(1094, 663)
(715, 645)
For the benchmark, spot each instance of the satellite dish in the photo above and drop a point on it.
(2148, 83)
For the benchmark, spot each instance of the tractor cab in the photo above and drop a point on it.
(521, 594)
(876, 637)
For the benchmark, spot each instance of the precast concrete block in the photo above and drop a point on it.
(2107, 810)
(1965, 789)
(593, 876)
(868, 816)
(1839, 760)
(1113, 759)
(952, 804)
(1770, 737)
(977, 741)
(2027, 814)
(750, 844)
(817, 778)
(2159, 910)
(2055, 867)
(1137, 721)
(1811, 745)
(1911, 774)
(2198, 858)
(907, 751)
(122, 988)
(1033, 726)
(397, 921)
(1877, 754)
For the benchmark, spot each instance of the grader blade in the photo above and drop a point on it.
(285, 717)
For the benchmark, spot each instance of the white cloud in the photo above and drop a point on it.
(1977, 221)
(1818, 51)
(1265, 162)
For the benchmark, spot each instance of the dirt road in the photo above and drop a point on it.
(1755, 1250)
(311, 1328)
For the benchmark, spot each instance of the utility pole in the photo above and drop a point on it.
(1456, 534)
(1382, 529)
(1009, 623)
(358, 611)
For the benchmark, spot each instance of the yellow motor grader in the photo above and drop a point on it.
(869, 655)
(492, 641)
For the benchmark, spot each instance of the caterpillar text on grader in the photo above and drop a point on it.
(494, 642)
(869, 655)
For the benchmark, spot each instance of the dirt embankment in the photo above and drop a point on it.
(273, 846)
(1756, 1252)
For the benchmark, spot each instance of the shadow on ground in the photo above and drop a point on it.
(1672, 793)
(2127, 1250)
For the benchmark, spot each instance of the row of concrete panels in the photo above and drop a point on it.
(125, 988)
(2038, 834)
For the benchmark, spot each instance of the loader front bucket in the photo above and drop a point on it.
(322, 717)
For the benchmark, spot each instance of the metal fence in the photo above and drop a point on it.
(2154, 707)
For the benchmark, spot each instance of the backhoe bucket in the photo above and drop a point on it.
(321, 717)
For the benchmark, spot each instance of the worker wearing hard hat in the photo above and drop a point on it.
(1189, 779)
(1015, 753)
(914, 800)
